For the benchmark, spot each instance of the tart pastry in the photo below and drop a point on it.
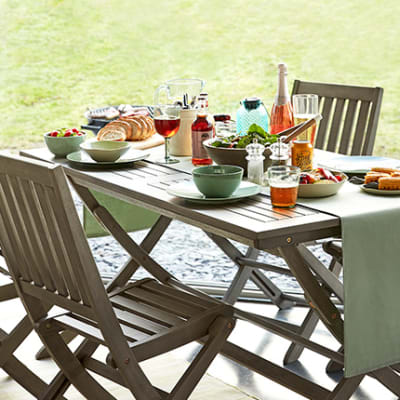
(389, 183)
(386, 170)
(375, 176)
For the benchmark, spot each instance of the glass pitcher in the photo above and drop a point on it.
(176, 88)
(251, 111)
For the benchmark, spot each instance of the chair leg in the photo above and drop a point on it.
(306, 329)
(345, 388)
(219, 332)
(388, 378)
(333, 366)
(70, 365)
(60, 384)
(67, 336)
(24, 377)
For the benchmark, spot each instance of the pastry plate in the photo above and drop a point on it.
(189, 192)
(81, 159)
(381, 192)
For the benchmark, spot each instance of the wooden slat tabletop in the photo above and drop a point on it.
(252, 221)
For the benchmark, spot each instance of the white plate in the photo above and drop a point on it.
(380, 192)
(358, 164)
(189, 192)
(82, 159)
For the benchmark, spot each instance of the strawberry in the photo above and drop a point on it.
(53, 134)
(68, 133)
(74, 130)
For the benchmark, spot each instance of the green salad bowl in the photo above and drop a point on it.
(105, 150)
(216, 181)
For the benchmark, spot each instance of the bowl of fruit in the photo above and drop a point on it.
(64, 141)
(320, 182)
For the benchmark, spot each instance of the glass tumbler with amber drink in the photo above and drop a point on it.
(284, 184)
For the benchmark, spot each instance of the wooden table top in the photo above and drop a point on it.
(252, 221)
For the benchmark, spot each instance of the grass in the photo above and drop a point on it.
(59, 57)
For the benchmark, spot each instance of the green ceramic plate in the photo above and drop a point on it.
(189, 192)
(81, 159)
(380, 192)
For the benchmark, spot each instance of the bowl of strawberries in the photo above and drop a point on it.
(320, 182)
(64, 141)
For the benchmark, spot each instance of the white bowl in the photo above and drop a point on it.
(105, 150)
(321, 189)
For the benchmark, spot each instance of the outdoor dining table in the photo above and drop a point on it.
(255, 223)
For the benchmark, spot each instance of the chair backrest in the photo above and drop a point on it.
(350, 116)
(42, 239)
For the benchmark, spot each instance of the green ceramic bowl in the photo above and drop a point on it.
(105, 150)
(61, 146)
(217, 181)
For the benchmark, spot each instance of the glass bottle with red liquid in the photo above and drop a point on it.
(202, 129)
(282, 112)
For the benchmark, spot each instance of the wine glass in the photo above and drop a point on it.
(305, 106)
(166, 121)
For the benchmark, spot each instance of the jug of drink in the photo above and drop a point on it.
(176, 88)
(251, 111)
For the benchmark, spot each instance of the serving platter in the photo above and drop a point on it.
(380, 192)
(189, 192)
(81, 159)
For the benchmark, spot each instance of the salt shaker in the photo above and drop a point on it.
(255, 162)
(279, 153)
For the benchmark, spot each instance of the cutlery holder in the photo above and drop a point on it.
(181, 143)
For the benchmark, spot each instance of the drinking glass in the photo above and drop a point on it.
(284, 184)
(305, 106)
(166, 121)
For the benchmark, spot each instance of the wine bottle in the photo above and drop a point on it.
(202, 129)
(282, 111)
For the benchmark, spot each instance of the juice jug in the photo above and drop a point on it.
(251, 111)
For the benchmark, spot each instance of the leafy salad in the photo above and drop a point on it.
(240, 142)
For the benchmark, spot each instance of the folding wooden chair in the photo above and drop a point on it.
(350, 121)
(51, 264)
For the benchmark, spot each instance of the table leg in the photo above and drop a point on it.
(246, 272)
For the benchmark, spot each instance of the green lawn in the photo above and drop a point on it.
(59, 57)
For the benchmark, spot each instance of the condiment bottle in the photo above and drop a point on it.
(302, 154)
(202, 129)
(282, 111)
(255, 162)
(251, 111)
(279, 153)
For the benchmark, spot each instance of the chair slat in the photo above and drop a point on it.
(75, 283)
(373, 122)
(62, 253)
(55, 252)
(36, 229)
(22, 249)
(162, 302)
(138, 322)
(335, 127)
(322, 129)
(144, 310)
(360, 128)
(181, 296)
(348, 127)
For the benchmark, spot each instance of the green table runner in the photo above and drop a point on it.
(129, 216)
(371, 258)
